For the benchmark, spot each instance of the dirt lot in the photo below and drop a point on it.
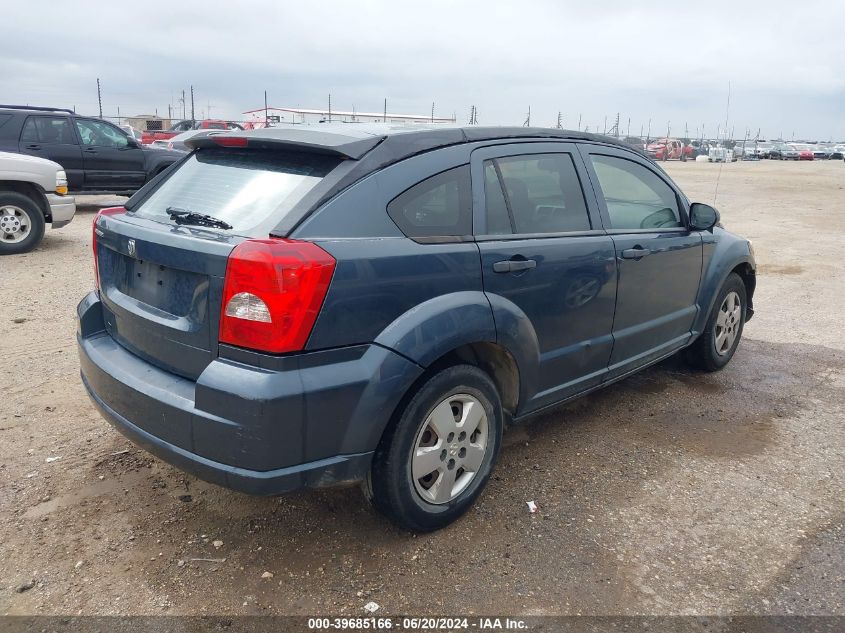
(672, 492)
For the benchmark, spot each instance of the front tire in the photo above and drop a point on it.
(21, 223)
(717, 344)
(435, 460)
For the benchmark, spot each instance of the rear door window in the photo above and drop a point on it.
(440, 206)
(534, 194)
(48, 130)
(251, 190)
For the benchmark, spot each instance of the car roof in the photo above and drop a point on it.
(354, 141)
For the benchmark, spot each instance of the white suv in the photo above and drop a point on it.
(33, 192)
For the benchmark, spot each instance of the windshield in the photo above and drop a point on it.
(251, 190)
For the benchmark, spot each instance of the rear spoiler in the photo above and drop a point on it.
(297, 140)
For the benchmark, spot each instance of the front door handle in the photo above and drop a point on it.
(514, 265)
(91, 150)
(33, 146)
(638, 252)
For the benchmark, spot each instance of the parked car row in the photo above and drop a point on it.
(151, 136)
(662, 149)
(755, 150)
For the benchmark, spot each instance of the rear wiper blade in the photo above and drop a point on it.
(183, 216)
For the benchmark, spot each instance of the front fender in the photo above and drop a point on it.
(723, 252)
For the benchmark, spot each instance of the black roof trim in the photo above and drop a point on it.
(354, 141)
(35, 108)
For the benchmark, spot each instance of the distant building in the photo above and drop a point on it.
(149, 122)
(305, 115)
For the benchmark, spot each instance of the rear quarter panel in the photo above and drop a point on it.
(380, 274)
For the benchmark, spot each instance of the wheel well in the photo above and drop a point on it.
(29, 190)
(749, 278)
(493, 359)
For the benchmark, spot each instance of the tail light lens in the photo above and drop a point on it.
(100, 213)
(272, 294)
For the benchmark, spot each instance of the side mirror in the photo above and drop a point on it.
(702, 217)
(132, 142)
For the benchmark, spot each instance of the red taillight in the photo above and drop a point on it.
(101, 212)
(230, 141)
(272, 294)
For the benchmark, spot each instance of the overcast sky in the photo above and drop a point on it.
(667, 61)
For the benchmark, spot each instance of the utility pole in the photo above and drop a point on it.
(193, 120)
(579, 121)
(559, 121)
(605, 124)
(528, 118)
(628, 133)
(330, 107)
(385, 110)
(648, 134)
(266, 115)
(99, 97)
(184, 114)
(432, 111)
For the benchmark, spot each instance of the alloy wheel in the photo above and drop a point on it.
(728, 322)
(450, 448)
(15, 224)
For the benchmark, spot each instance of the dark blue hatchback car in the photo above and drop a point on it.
(305, 307)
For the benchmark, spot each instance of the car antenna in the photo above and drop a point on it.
(721, 164)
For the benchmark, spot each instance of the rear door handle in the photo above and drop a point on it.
(91, 150)
(638, 252)
(33, 146)
(514, 265)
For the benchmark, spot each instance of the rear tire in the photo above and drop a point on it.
(723, 330)
(435, 460)
(21, 223)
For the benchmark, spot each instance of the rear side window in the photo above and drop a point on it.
(47, 130)
(440, 206)
(540, 193)
(636, 197)
(251, 190)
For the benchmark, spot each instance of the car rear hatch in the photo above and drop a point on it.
(161, 282)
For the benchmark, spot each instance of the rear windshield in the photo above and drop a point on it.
(251, 190)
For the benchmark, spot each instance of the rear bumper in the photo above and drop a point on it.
(325, 472)
(255, 429)
(62, 209)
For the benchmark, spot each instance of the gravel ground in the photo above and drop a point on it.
(672, 492)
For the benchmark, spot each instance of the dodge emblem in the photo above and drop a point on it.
(130, 245)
